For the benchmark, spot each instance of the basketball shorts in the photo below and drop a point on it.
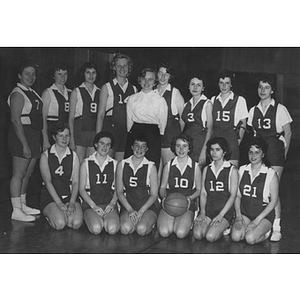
(34, 140)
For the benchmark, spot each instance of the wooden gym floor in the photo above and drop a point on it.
(38, 237)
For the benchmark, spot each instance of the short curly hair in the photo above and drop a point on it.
(25, 64)
(260, 144)
(222, 142)
(101, 135)
(186, 138)
(266, 78)
(120, 56)
(59, 127)
(143, 74)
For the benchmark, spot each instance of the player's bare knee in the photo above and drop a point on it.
(142, 229)
(126, 229)
(181, 233)
(112, 229)
(76, 224)
(198, 235)
(250, 239)
(211, 237)
(164, 231)
(95, 229)
(236, 236)
(59, 224)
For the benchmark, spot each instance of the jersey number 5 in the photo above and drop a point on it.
(133, 181)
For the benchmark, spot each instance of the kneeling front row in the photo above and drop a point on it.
(128, 196)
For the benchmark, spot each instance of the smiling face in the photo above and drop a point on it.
(255, 155)
(90, 75)
(103, 146)
(216, 152)
(225, 85)
(62, 138)
(264, 90)
(182, 148)
(28, 76)
(196, 87)
(121, 67)
(163, 76)
(139, 149)
(147, 82)
(61, 77)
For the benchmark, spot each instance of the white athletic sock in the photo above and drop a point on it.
(276, 224)
(16, 202)
(23, 198)
(18, 214)
(28, 210)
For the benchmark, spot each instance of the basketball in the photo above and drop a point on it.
(175, 204)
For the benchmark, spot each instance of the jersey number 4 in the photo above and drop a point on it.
(59, 171)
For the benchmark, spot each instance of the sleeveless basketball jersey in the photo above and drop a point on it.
(217, 188)
(101, 182)
(255, 194)
(223, 118)
(168, 97)
(119, 106)
(61, 172)
(89, 110)
(194, 126)
(59, 106)
(265, 125)
(253, 191)
(192, 118)
(136, 183)
(182, 183)
(32, 109)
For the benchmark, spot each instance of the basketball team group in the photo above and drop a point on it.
(125, 160)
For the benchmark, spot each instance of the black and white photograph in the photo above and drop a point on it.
(157, 146)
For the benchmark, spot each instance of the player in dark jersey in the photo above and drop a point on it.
(84, 102)
(59, 167)
(218, 193)
(257, 196)
(137, 190)
(182, 175)
(197, 115)
(272, 122)
(229, 115)
(24, 139)
(56, 102)
(112, 107)
(175, 104)
(97, 180)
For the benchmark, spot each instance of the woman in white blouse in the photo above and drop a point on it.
(147, 113)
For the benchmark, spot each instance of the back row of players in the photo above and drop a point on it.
(157, 115)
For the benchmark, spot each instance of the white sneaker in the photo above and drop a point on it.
(29, 210)
(276, 236)
(19, 215)
(227, 231)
